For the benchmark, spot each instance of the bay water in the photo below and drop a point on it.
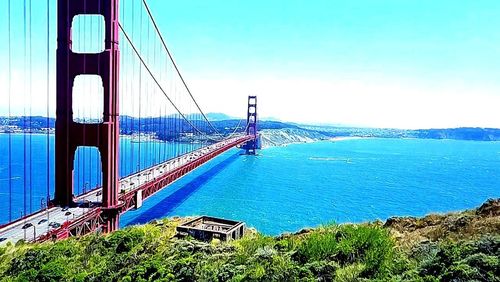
(286, 188)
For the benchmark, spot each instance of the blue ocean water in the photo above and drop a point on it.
(301, 185)
(286, 188)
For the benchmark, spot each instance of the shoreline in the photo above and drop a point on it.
(332, 139)
(345, 138)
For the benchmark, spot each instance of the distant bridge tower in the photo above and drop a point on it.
(251, 146)
(70, 134)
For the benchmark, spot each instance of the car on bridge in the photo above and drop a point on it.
(54, 224)
(42, 221)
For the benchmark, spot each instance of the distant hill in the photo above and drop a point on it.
(461, 133)
(226, 124)
(272, 119)
(218, 116)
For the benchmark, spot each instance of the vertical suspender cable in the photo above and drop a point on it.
(47, 196)
(88, 156)
(98, 160)
(122, 122)
(94, 153)
(78, 158)
(30, 112)
(170, 116)
(80, 116)
(147, 109)
(10, 135)
(85, 173)
(131, 98)
(24, 113)
(176, 121)
(140, 90)
(132, 144)
(128, 76)
(149, 104)
(160, 118)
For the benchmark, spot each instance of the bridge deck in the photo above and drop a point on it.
(37, 225)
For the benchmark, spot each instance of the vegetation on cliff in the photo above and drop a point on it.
(455, 247)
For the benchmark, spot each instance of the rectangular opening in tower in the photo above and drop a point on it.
(88, 99)
(88, 34)
(87, 174)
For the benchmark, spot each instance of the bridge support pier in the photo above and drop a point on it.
(70, 134)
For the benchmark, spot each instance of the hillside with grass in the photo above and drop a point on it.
(462, 246)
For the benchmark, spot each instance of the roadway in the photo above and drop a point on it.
(40, 223)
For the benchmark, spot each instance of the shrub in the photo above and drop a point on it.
(464, 261)
(349, 244)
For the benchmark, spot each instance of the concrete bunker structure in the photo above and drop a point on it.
(206, 228)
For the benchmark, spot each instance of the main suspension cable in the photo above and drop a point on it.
(236, 129)
(158, 84)
(175, 65)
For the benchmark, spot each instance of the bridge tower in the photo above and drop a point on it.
(70, 134)
(251, 146)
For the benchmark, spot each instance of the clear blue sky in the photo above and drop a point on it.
(387, 63)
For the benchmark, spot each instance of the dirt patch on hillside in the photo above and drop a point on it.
(409, 231)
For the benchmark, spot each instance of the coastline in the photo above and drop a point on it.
(344, 138)
(284, 137)
(332, 139)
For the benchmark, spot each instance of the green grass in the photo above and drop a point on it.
(369, 248)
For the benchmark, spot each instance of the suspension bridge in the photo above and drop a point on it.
(126, 123)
